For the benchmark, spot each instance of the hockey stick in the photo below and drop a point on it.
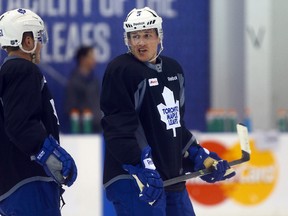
(245, 148)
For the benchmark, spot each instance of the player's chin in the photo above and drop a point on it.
(142, 58)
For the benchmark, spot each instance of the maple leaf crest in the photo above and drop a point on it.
(169, 111)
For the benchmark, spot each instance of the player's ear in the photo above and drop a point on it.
(28, 41)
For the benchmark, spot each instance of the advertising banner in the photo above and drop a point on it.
(71, 23)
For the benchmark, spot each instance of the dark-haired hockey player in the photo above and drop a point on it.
(146, 138)
(33, 166)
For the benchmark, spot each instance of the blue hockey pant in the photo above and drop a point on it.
(33, 199)
(124, 195)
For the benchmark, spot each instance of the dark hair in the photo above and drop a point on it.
(82, 52)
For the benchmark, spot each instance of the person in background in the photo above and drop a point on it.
(33, 165)
(82, 93)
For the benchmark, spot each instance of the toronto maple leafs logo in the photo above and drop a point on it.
(22, 11)
(169, 111)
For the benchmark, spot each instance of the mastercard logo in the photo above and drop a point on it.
(254, 181)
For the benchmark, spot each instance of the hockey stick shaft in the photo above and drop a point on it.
(245, 148)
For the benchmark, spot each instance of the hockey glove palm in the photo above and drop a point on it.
(56, 162)
(147, 179)
(202, 159)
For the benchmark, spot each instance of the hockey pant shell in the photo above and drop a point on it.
(124, 195)
(34, 198)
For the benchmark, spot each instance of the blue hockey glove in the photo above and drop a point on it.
(202, 158)
(147, 179)
(56, 162)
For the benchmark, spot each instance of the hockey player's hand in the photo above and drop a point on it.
(202, 158)
(147, 179)
(56, 162)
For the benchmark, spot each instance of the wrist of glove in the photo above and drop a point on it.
(147, 179)
(56, 162)
(202, 158)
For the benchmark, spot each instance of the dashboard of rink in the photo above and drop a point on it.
(259, 188)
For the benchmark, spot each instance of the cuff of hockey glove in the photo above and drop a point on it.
(214, 156)
(47, 149)
(221, 170)
(146, 158)
(51, 164)
(56, 162)
(146, 177)
(148, 181)
(198, 155)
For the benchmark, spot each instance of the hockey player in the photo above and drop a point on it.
(146, 138)
(33, 166)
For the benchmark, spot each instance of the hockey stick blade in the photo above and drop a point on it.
(245, 149)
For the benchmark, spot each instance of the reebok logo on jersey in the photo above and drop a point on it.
(153, 82)
(1, 32)
(173, 78)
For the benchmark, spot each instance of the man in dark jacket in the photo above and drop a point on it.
(83, 92)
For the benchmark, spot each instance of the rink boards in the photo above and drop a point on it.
(259, 188)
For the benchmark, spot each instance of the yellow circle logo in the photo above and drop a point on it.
(254, 181)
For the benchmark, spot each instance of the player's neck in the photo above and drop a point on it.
(21, 54)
